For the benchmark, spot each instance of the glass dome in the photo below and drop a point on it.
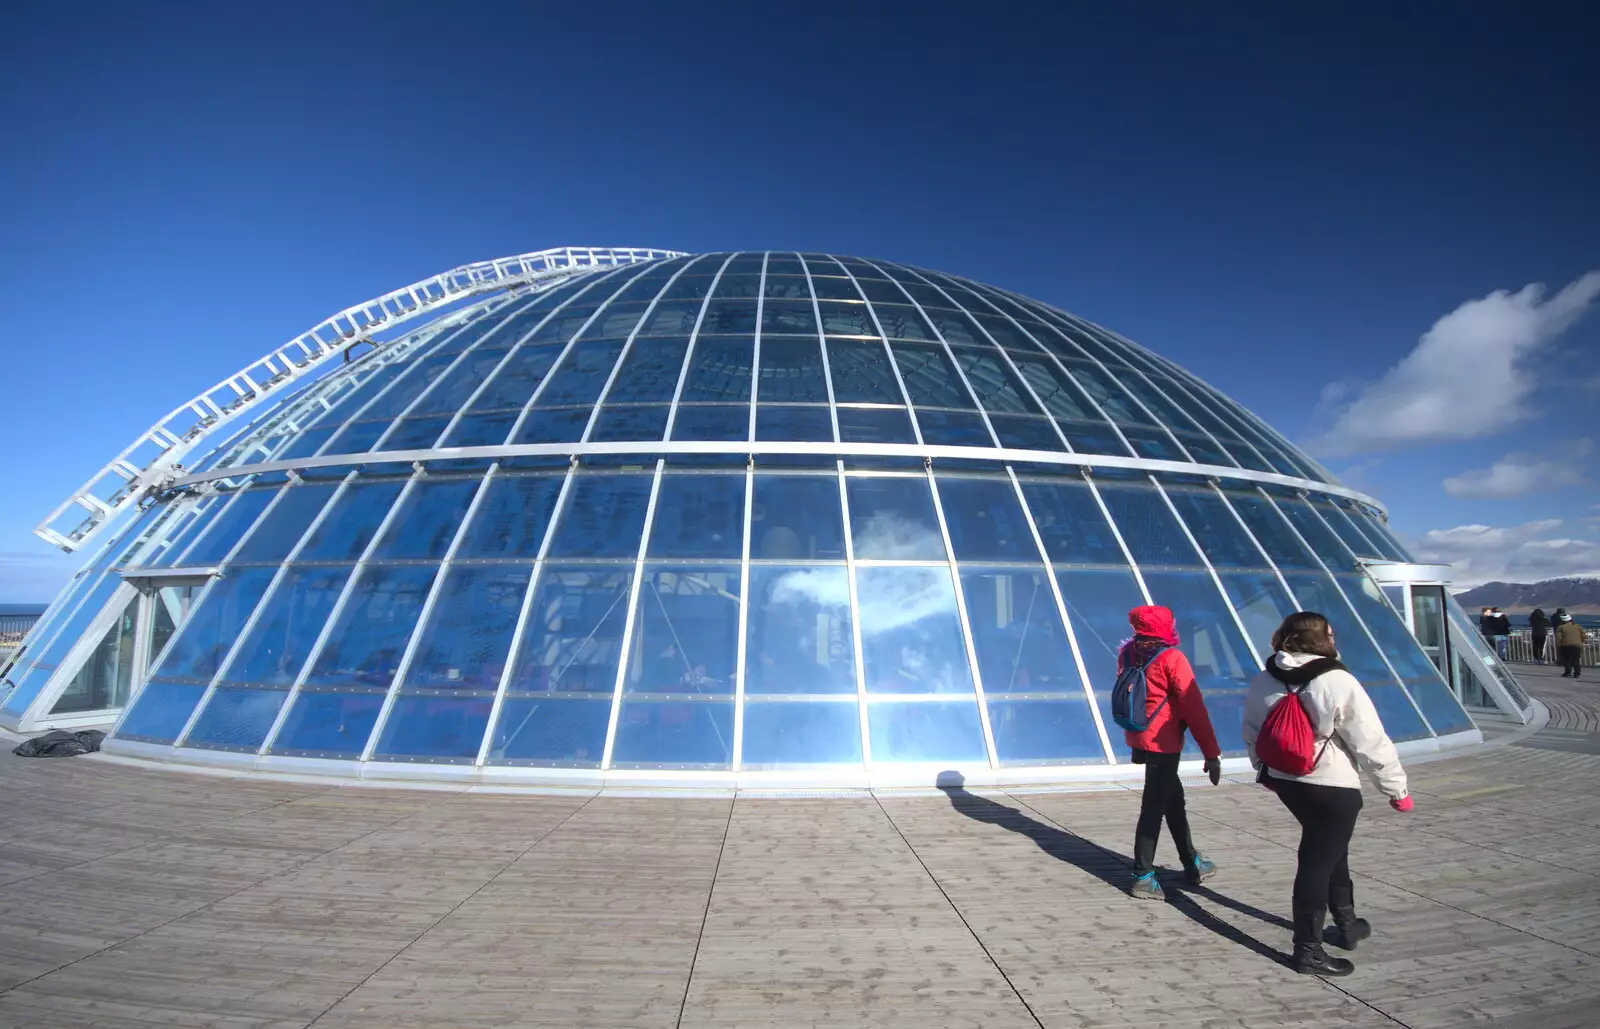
(727, 518)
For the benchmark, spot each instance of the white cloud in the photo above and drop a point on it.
(1519, 473)
(1469, 375)
(1514, 553)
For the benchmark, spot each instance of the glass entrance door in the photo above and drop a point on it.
(1428, 624)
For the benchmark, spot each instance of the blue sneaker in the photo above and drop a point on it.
(1146, 887)
(1204, 868)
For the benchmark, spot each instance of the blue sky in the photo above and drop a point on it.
(1282, 199)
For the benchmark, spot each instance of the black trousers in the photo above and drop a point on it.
(1327, 817)
(1571, 659)
(1163, 798)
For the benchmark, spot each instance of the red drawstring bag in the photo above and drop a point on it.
(1288, 742)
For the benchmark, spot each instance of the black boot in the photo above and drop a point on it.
(1347, 930)
(1313, 960)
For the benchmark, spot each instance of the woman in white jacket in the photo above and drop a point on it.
(1326, 801)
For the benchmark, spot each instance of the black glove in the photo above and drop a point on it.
(1214, 769)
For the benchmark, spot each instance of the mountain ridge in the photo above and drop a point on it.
(1579, 594)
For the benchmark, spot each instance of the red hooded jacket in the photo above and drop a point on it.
(1169, 678)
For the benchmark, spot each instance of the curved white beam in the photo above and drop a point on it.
(155, 452)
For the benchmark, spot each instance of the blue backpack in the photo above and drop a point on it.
(1128, 696)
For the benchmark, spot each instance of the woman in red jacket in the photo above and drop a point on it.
(1173, 703)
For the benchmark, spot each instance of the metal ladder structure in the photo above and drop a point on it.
(151, 458)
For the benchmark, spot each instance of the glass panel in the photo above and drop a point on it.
(788, 286)
(911, 639)
(1062, 398)
(953, 429)
(160, 712)
(105, 678)
(1019, 433)
(512, 517)
(1044, 732)
(581, 375)
(283, 526)
(170, 610)
(282, 637)
(1094, 438)
(827, 287)
(719, 369)
(427, 520)
(791, 371)
(893, 519)
(687, 631)
(1273, 533)
(693, 734)
(413, 434)
(1071, 524)
(1225, 543)
(630, 424)
(1380, 535)
(671, 318)
(1261, 603)
(650, 372)
(998, 389)
(603, 517)
(796, 516)
(985, 520)
(236, 719)
(388, 405)
(233, 523)
(926, 732)
(798, 631)
(442, 729)
(779, 734)
(1328, 546)
(1346, 530)
(955, 327)
(699, 515)
(1223, 665)
(467, 641)
(565, 425)
(1317, 592)
(450, 394)
(1419, 674)
(1098, 603)
(846, 319)
(862, 374)
(517, 379)
(574, 631)
(1147, 526)
(875, 425)
(796, 424)
(328, 724)
(712, 422)
(181, 531)
(788, 317)
(374, 626)
(730, 317)
(930, 377)
(214, 627)
(1017, 632)
(354, 520)
(551, 731)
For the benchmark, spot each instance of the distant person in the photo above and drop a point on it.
(1486, 622)
(1501, 633)
(1345, 735)
(1569, 645)
(1539, 622)
(1172, 703)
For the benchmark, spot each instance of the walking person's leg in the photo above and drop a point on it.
(1327, 816)
(1160, 776)
(1571, 661)
(1349, 930)
(1538, 647)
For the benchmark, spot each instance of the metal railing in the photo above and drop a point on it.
(123, 480)
(13, 627)
(1520, 648)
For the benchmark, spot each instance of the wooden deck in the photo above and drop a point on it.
(133, 898)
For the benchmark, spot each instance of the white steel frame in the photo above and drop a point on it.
(145, 461)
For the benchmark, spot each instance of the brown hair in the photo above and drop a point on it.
(1305, 632)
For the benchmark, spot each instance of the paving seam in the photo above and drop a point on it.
(159, 841)
(973, 933)
(1414, 893)
(228, 896)
(705, 917)
(435, 924)
(1114, 854)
